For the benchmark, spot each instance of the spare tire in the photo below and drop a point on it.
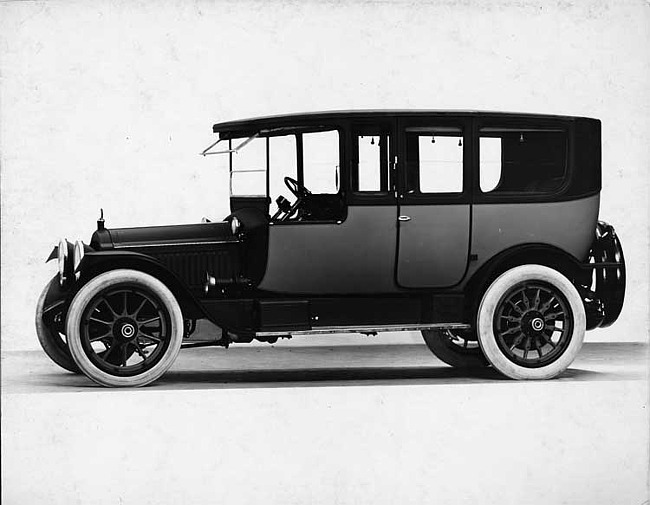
(610, 281)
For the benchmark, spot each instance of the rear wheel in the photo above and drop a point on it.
(125, 328)
(531, 323)
(459, 349)
(50, 336)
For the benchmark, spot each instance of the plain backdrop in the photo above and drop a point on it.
(107, 104)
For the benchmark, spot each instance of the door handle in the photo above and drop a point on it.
(404, 218)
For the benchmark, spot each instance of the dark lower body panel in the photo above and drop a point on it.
(278, 316)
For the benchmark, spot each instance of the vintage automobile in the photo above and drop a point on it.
(478, 229)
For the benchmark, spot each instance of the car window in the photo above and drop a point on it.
(321, 161)
(522, 160)
(371, 169)
(490, 163)
(434, 160)
(248, 175)
(283, 163)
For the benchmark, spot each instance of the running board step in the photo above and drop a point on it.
(322, 330)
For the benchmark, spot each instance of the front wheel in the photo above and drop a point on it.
(531, 323)
(125, 328)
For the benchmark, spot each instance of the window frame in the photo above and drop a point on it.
(558, 194)
(269, 167)
(231, 170)
(357, 197)
(300, 153)
(419, 198)
(297, 130)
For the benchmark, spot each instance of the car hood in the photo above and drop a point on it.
(185, 234)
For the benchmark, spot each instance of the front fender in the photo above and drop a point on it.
(56, 301)
(98, 262)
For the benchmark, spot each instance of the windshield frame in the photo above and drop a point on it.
(266, 169)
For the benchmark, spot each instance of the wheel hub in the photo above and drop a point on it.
(125, 329)
(532, 323)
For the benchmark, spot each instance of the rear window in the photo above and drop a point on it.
(522, 160)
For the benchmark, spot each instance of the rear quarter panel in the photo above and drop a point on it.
(568, 225)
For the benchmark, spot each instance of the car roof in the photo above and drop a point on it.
(311, 118)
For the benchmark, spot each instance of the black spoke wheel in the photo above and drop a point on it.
(125, 328)
(50, 330)
(457, 348)
(531, 323)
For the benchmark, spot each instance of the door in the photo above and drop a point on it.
(434, 208)
(352, 255)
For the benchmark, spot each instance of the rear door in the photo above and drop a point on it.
(434, 210)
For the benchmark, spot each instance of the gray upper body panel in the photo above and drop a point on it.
(359, 255)
(569, 226)
(433, 245)
(356, 256)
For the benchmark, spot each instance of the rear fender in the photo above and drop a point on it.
(539, 254)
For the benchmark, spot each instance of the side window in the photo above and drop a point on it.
(370, 172)
(522, 160)
(321, 161)
(434, 160)
(490, 163)
(283, 163)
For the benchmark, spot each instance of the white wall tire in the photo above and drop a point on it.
(531, 323)
(125, 328)
(50, 339)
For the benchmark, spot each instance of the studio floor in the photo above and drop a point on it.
(332, 425)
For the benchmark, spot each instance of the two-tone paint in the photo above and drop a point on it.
(396, 259)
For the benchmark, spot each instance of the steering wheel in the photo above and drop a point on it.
(285, 209)
(297, 189)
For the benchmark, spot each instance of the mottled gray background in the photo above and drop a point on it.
(106, 104)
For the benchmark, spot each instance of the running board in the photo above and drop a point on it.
(322, 330)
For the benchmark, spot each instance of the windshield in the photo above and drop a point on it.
(248, 168)
(260, 163)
